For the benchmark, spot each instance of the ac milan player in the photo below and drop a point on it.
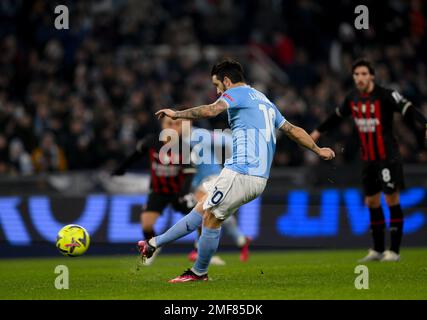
(372, 108)
(170, 182)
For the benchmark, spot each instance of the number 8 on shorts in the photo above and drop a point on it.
(386, 175)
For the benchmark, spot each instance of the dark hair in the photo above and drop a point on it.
(228, 68)
(363, 63)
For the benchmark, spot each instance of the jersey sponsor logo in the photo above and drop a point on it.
(367, 125)
(364, 122)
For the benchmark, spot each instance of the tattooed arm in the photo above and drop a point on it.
(301, 137)
(205, 111)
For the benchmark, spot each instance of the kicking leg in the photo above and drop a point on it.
(184, 226)
(199, 195)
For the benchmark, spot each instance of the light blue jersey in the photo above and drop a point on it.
(253, 119)
(210, 166)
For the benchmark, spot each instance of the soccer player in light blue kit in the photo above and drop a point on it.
(253, 119)
(208, 172)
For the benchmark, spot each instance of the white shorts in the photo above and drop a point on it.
(230, 190)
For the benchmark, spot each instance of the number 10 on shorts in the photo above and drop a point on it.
(217, 196)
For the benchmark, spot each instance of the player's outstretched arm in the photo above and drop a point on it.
(205, 111)
(300, 136)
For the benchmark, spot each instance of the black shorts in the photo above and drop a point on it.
(382, 176)
(158, 202)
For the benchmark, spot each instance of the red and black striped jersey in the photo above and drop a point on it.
(171, 172)
(373, 115)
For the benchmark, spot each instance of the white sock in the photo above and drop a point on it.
(152, 242)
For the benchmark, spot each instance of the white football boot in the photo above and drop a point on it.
(390, 256)
(372, 256)
(148, 262)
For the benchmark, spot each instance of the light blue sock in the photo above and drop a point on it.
(231, 228)
(184, 226)
(208, 244)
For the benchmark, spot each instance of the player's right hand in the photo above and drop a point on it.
(166, 113)
(326, 153)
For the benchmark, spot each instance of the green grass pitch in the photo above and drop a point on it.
(268, 275)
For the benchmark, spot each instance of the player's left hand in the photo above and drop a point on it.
(326, 153)
(166, 113)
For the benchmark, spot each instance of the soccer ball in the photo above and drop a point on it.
(72, 240)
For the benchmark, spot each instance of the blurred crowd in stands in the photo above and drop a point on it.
(80, 98)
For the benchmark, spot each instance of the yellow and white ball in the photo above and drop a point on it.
(72, 240)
